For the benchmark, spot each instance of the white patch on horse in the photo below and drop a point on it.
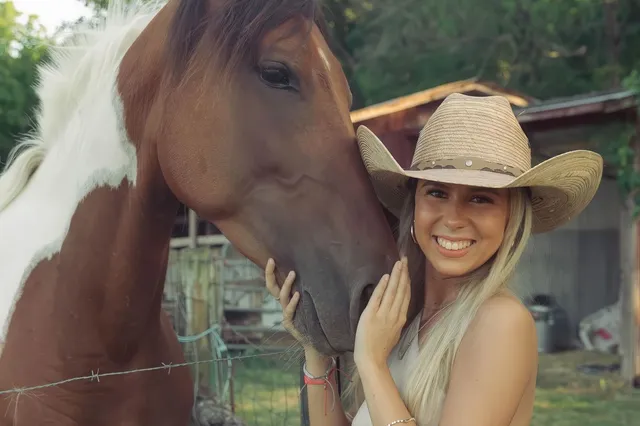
(324, 58)
(80, 144)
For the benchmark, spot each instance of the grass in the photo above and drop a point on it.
(267, 389)
(567, 397)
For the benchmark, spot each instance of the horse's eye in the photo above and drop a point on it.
(276, 76)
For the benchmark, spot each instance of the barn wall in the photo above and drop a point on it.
(579, 263)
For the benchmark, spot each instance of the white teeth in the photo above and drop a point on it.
(453, 245)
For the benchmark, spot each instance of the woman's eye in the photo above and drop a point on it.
(481, 199)
(436, 193)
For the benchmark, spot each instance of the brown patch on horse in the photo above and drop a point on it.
(95, 307)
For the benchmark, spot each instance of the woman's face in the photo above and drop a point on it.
(459, 227)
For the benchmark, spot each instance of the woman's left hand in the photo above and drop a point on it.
(382, 320)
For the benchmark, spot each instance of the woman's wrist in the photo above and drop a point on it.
(366, 365)
(316, 363)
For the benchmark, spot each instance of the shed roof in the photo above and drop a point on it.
(604, 102)
(438, 93)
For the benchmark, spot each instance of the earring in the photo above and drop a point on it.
(413, 235)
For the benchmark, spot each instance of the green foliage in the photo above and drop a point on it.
(543, 48)
(22, 47)
(622, 154)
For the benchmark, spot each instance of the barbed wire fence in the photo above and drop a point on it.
(252, 381)
(260, 388)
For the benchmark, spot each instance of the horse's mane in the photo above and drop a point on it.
(95, 50)
(73, 70)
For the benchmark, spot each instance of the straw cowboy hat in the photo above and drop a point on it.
(478, 141)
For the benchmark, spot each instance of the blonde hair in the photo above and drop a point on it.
(425, 391)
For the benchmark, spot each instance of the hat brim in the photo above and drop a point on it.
(561, 187)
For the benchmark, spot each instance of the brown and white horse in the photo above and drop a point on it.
(238, 109)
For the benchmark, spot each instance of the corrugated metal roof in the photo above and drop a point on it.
(583, 99)
(607, 101)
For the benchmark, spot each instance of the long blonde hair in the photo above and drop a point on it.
(425, 391)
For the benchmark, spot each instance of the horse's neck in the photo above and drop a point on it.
(99, 239)
(115, 256)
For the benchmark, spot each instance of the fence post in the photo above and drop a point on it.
(304, 407)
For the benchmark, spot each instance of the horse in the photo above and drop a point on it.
(239, 110)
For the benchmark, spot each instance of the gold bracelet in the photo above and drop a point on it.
(395, 422)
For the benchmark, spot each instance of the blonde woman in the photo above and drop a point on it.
(466, 208)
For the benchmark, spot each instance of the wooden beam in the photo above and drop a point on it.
(193, 229)
(634, 354)
(630, 298)
(203, 240)
(630, 284)
(634, 292)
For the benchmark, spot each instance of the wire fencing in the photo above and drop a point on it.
(266, 390)
(258, 386)
(219, 309)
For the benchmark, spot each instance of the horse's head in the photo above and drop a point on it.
(247, 111)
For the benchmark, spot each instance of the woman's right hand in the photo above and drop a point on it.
(287, 301)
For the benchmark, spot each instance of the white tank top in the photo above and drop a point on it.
(399, 362)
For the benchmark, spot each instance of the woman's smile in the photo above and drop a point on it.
(453, 247)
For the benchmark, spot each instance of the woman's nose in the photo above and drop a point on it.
(454, 216)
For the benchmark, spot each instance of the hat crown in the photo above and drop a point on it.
(474, 127)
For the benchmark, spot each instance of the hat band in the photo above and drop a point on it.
(466, 163)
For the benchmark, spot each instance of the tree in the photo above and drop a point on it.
(22, 48)
(543, 48)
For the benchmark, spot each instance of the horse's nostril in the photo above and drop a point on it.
(367, 291)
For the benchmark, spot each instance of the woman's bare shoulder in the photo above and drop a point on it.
(494, 366)
(503, 310)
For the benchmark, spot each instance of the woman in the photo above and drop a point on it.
(466, 208)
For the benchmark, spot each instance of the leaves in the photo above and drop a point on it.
(22, 47)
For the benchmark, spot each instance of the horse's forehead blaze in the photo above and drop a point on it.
(331, 66)
(324, 58)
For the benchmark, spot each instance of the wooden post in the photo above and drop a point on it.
(634, 291)
(634, 353)
(304, 406)
(630, 292)
(193, 229)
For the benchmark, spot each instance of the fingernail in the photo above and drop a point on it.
(291, 274)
